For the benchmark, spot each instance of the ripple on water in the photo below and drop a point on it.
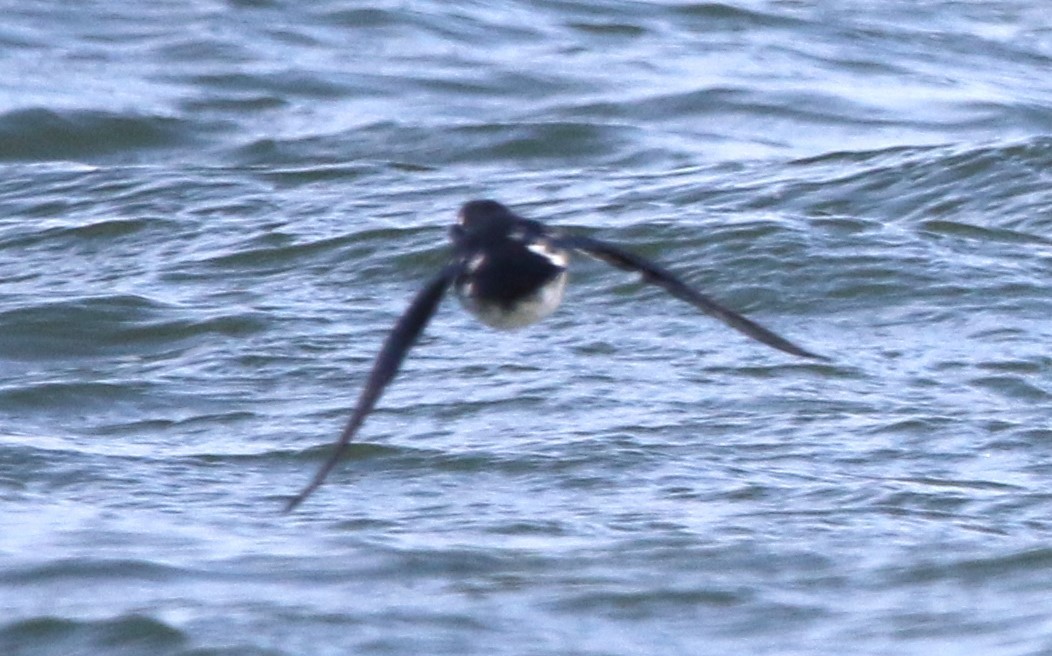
(45, 134)
(90, 326)
(51, 636)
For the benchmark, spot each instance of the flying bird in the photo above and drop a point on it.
(510, 272)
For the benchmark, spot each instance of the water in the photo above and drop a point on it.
(212, 212)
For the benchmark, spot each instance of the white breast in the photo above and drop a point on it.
(528, 311)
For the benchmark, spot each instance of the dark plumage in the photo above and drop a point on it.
(510, 272)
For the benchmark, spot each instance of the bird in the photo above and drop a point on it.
(510, 272)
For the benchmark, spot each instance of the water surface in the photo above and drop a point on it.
(212, 212)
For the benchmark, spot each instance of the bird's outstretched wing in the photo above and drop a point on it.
(399, 341)
(655, 274)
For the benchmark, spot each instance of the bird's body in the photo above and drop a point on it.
(510, 272)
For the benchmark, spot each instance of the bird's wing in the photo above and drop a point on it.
(655, 274)
(398, 342)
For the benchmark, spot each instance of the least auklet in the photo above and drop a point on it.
(510, 272)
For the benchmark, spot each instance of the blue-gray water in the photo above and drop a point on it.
(212, 212)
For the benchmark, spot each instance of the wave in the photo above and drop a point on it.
(49, 134)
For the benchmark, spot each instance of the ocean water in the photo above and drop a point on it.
(212, 212)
